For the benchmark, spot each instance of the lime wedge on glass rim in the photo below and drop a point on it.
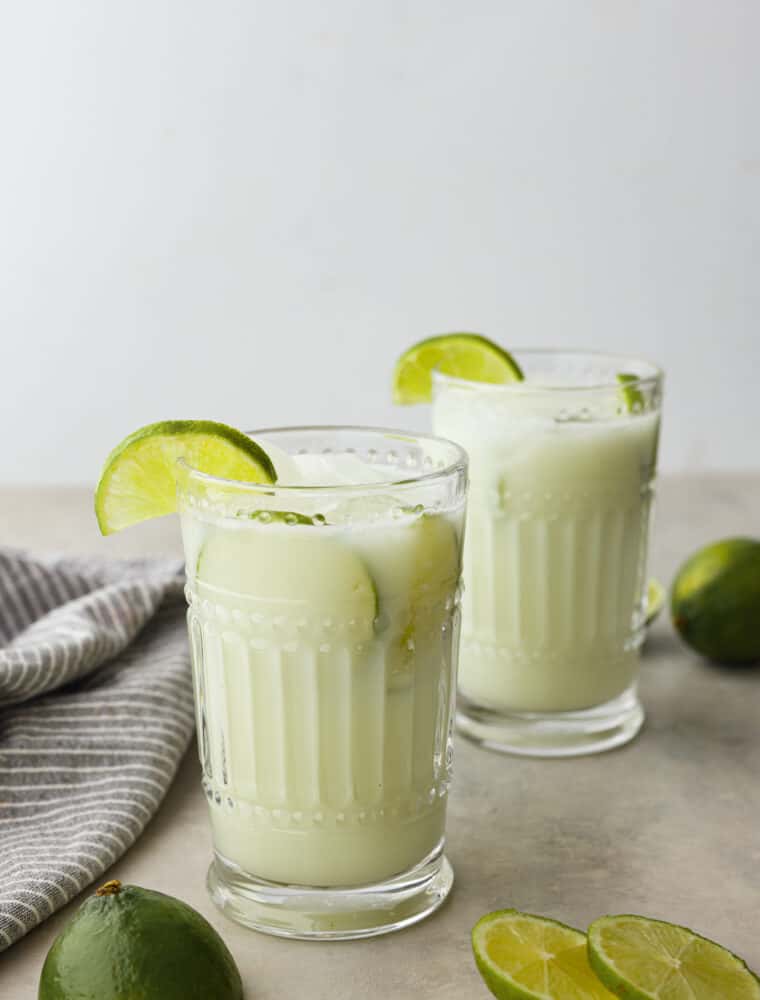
(633, 397)
(463, 355)
(139, 478)
(524, 957)
(643, 959)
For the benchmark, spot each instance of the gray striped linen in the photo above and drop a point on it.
(96, 712)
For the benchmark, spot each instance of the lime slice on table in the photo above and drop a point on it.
(463, 355)
(138, 480)
(643, 959)
(523, 957)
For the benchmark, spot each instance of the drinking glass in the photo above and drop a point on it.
(324, 627)
(562, 472)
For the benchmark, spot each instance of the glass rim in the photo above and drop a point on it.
(654, 376)
(457, 466)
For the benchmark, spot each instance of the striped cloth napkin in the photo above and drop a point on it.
(96, 712)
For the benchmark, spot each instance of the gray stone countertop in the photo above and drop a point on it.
(668, 826)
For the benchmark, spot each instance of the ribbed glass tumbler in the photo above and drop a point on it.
(562, 470)
(324, 626)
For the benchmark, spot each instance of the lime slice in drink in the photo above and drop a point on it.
(656, 597)
(463, 355)
(437, 557)
(644, 959)
(522, 957)
(278, 517)
(423, 562)
(633, 397)
(289, 566)
(138, 480)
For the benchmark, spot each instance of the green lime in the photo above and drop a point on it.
(523, 957)
(138, 480)
(633, 397)
(642, 959)
(656, 597)
(715, 600)
(463, 355)
(128, 942)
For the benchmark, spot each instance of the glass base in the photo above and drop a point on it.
(330, 913)
(553, 734)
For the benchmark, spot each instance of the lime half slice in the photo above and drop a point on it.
(644, 959)
(138, 480)
(656, 597)
(463, 355)
(522, 957)
(292, 566)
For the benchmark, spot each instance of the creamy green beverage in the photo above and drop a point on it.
(323, 573)
(562, 465)
(324, 624)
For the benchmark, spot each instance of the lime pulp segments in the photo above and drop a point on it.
(643, 959)
(462, 355)
(525, 957)
(139, 478)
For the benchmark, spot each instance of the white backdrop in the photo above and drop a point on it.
(245, 210)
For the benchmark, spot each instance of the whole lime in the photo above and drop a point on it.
(127, 942)
(715, 601)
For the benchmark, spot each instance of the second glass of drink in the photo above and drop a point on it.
(562, 469)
